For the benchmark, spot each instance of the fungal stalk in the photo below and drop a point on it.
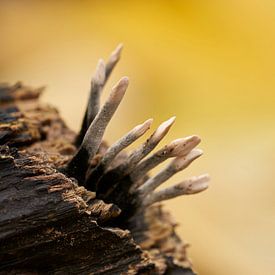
(123, 178)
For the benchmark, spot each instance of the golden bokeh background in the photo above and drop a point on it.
(209, 62)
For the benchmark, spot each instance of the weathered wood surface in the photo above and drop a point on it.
(50, 224)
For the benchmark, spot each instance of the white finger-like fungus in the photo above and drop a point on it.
(178, 164)
(100, 78)
(93, 137)
(187, 187)
(113, 59)
(94, 134)
(123, 178)
(117, 147)
(97, 84)
(178, 147)
(144, 149)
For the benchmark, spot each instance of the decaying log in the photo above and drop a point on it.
(70, 205)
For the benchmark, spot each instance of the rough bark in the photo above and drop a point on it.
(50, 223)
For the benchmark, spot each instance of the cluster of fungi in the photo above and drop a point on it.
(71, 204)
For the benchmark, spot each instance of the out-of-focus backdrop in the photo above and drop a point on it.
(211, 63)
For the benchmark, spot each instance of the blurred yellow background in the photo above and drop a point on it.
(211, 63)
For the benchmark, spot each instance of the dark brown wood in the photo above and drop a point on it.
(51, 224)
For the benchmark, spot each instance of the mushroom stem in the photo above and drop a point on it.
(189, 186)
(113, 59)
(178, 164)
(96, 87)
(98, 81)
(144, 149)
(117, 147)
(93, 137)
(178, 147)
